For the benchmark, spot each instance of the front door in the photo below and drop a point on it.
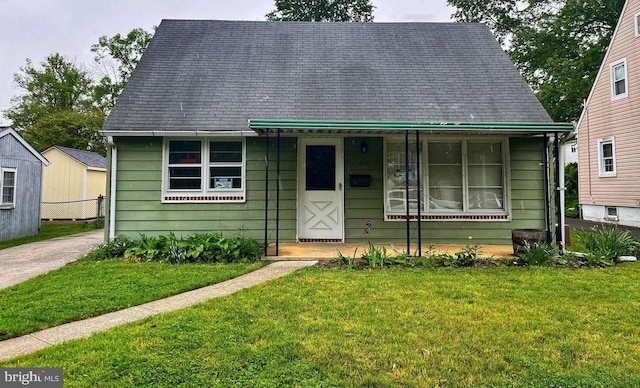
(320, 197)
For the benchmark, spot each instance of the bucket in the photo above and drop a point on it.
(519, 236)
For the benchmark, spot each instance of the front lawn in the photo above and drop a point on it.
(88, 288)
(506, 326)
(49, 230)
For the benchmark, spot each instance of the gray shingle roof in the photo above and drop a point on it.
(88, 158)
(215, 75)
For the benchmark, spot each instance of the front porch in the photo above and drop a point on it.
(328, 251)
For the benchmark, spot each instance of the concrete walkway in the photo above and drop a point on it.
(79, 329)
(20, 263)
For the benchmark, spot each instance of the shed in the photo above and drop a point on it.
(72, 183)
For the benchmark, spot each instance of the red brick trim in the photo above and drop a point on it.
(320, 240)
(449, 217)
(204, 198)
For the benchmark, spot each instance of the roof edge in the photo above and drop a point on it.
(28, 146)
(261, 124)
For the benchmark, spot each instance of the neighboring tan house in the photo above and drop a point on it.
(20, 186)
(609, 130)
(383, 122)
(72, 183)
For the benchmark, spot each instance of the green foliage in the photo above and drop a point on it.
(346, 261)
(196, 248)
(558, 46)
(539, 254)
(322, 11)
(68, 128)
(117, 57)
(376, 257)
(606, 244)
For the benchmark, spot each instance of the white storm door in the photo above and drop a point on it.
(320, 185)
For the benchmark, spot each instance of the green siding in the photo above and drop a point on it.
(139, 208)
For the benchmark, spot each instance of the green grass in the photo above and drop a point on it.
(529, 327)
(88, 288)
(49, 230)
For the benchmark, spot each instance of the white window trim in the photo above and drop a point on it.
(205, 194)
(636, 22)
(466, 214)
(622, 61)
(12, 204)
(601, 169)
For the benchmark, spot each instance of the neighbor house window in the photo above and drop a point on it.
(619, 83)
(607, 157)
(204, 171)
(8, 187)
(458, 178)
(637, 23)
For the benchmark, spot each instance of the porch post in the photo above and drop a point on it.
(558, 191)
(406, 184)
(266, 191)
(278, 194)
(547, 196)
(418, 167)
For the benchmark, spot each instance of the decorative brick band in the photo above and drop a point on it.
(205, 198)
(320, 240)
(450, 217)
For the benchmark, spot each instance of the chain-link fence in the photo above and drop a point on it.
(81, 210)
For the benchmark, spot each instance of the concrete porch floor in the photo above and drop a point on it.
(328, 251)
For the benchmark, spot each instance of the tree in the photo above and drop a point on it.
(55, 107)
(68, 128)
(58, 85)
(558, 46)
(322, 11)
(117, 57)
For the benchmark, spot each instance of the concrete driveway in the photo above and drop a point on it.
(20, 263)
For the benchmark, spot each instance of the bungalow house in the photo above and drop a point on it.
(20, 186)
(303, 132)
(72, 183)
(609, 130)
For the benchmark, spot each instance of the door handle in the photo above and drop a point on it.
(339, 186)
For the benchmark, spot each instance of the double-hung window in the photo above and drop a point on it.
(204, 170)
(607, 157)
(459, 179)
(7, 188)
(619, 84)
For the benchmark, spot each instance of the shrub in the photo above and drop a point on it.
(376, 257)
(111, 249)
(202, 248)
(537, 254)
(606, 244)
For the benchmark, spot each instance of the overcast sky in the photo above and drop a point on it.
(36, 28)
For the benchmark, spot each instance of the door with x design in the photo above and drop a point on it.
(320, 185)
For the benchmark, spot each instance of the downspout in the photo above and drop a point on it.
(559, 179)
(547, 195)
(278, 195)
(586, 112)
(563, 192)
(266, 192)
(112, 188)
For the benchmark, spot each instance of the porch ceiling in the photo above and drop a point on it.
(399, 127)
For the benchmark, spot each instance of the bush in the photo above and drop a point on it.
(606, 244)
(201, 248)
(536, 254)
